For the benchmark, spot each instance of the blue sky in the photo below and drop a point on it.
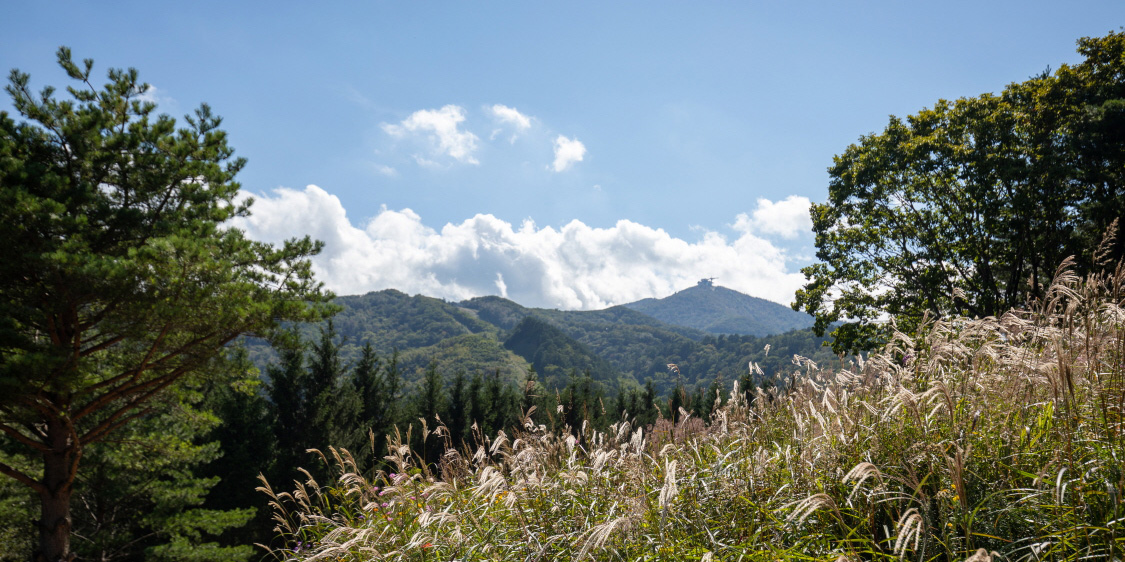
(570, 155)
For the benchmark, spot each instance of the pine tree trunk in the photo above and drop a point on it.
(58, 481)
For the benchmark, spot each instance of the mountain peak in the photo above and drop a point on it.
(720, 310)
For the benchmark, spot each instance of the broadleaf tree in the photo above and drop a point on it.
(968, 207)
(121, 273)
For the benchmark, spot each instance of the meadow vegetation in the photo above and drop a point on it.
(996, 438)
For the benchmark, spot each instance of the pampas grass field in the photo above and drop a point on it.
(976, 439)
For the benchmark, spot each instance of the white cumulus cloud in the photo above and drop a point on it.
(567, 152)
(441, 127)
(576, 266)
(787, 218)
(510, 116)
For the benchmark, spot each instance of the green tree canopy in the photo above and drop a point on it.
(969, 206)
(121, 273)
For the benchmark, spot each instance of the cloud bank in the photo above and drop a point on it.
(573, 267)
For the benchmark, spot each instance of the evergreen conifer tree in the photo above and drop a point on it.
(392, 382)
(478, 411)
(647, 410)
(677, 400)
(333, 405)
(371, 390)
(457, 412)
(430, 402)
(500, 407)
(121, 275)
(287, 392)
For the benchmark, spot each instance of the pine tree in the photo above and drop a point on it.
(500, 409)
(121, 276)
(677, 400)
(531, 390)
(695, 403)
(287, 392)
(315, 407)
(371, 389)
(334, 406)
(456, 415)
(392, 381)
(246, 440)
(430, 395)
(429, 403)
(478, 412)
(573, 404)
(621, 404)
(646, 413)
(715, 393)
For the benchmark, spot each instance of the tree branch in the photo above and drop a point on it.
(125, 389)
(103, 345)
(22, 478)
(19, 436)
(104, 428)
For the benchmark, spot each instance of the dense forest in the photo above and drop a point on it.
(618, 347)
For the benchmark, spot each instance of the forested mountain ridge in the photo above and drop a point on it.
(621, 348)
(719, 310)
(392, 319)
(554, 355)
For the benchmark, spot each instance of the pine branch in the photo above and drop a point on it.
(19, 436)
(22, 478)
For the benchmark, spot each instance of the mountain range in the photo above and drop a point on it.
(706, 332)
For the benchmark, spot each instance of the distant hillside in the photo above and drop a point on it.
(471, 353)
(555, 355)
(620, 346)
(718, 310)
(392, 319)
